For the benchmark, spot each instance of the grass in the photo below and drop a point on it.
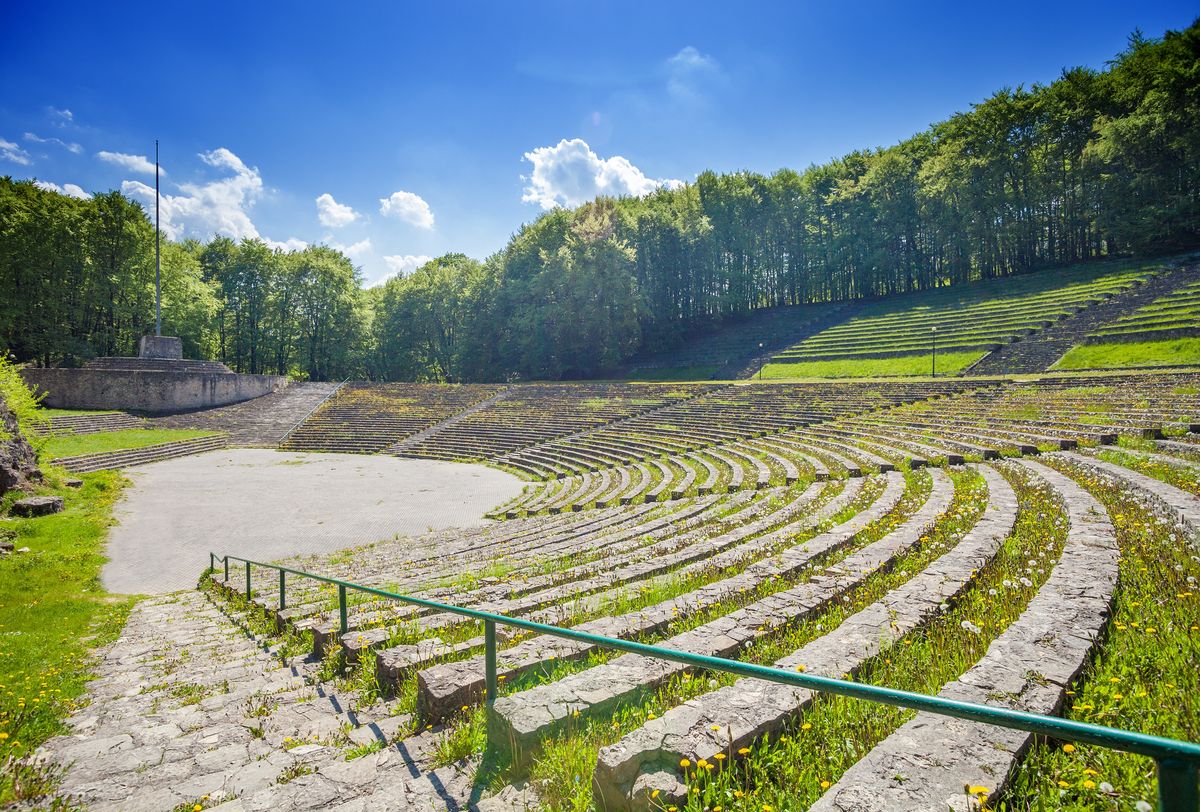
(702, 373)
(905, 365)
(73, 412)
(52, 611)
(72, 445)
(1177, 352)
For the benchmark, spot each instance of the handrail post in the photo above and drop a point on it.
(247, 580)
(212, 562)
(489, 659)
(226, 559)
(342, 607)
(282, 592)
(1178, 789)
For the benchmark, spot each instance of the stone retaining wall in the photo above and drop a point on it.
(151, 392)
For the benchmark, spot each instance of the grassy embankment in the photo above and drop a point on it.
(53, 609)
(1176, 352)
(71, 445)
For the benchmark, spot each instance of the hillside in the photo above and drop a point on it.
(896, 335)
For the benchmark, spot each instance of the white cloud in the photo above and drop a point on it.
(61, 117)
(70, 147)
(408, 207)
(290, 244)
(689, 72)
(217, 207)
(134, 163)
(402, 265)
(353, 251)
(334, 214)
(570, 174)
(69, 189)
(11, 152)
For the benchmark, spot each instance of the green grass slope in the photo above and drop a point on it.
(894, 336)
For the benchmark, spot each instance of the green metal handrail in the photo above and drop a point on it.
(1178, 762)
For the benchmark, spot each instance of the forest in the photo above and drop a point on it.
(1097, 163)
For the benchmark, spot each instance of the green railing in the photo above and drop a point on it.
(1178, 762)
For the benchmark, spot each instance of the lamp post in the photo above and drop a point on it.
(762, 362)
(933, 358)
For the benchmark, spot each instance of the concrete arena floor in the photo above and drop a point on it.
(265, 504)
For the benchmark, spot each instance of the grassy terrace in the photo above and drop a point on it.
(1132, 354)
(904, 366)
(969, 321)
(1178, 310)
(71, 445)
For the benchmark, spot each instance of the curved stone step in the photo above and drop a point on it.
(927, 762)
(645, 763)
(519, 722)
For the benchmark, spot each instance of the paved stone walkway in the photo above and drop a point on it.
(266, 504)
(188, 708)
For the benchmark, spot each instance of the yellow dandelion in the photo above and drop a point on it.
(1089, 784)
(685, 763)
(806, 726)
(825, 785)
(744, 752)
(719, 757)
(1068, 748)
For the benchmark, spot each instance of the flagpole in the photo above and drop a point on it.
(157, 257)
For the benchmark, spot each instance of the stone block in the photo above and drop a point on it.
(32, 506)
(165, 347)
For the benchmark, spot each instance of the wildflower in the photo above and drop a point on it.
(719, 757)
(745, 751)
(716, 727)
(702, 763)
(1089, 784)
(685, 763)
(825, 785)
(978, 790)
(1068, 748)
(806, 726)
(801, 668)
(1063, 784)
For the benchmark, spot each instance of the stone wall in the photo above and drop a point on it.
(151, 392)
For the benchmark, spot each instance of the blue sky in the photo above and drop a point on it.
(399, 131)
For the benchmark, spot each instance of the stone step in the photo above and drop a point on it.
(518, 723)
(646, 761)
(928, 761)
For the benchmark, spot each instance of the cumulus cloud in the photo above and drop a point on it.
(69, 189)
(402, 265)
(134, 163)
(570, 174)
(61, 117)
(353, 251)
(202, 210)
(11, 152)
(290, 244)
(689, 72)
(69, 146)
(334, 214)
(408, 207)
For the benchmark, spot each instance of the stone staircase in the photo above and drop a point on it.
(421, 436)
(1038, 352)
(157, 365)
(93, 423)
(124, 458)
(261, 422)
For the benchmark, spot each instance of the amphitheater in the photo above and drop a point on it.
(1011, 536)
